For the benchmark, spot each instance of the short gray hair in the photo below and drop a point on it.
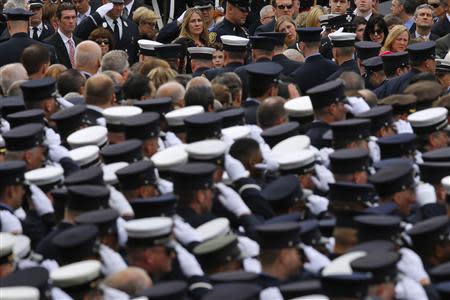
(87, 53)
(422, 6)
(115, 60)
(265, 10)
(11, 73)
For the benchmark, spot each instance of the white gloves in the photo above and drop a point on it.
(252, 265)
(112, 262)
(57, 152)
(411, 265)
(110, 293)
(104, 9)
(270, 162)
(165, 186)
(50, 264)
(20, 213)
(403, 127)
(324, 155)
(231, 200)
(41, 203)
(234, 168)
(406, 288)
(121, 231)
(317, 204)
(185, 233)
(425, 194)
(10, 223)
(4, 126)
(249, 248)
(172, 139)
(188, 263)
(118, 201)
(101, 121)
(323, 178)
(316, 260)
(180, 18)
(59, 294)
(63, 102)
(255, 133)
(51, 137)
(374, 150)
(418, 157)
(357, 105)
(272, 293)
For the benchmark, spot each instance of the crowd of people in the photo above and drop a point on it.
(231, 149)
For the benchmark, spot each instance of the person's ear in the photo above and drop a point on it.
(28, 157)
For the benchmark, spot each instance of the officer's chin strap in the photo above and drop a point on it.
(158, 13)
(171, 11)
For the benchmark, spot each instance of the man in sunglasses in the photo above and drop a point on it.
(442, 27)
(282, 8)
(236, 13)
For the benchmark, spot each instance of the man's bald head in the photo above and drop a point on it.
(271, 112)
(88, 54)
(173, 90)
(99, 91)
(132, 280)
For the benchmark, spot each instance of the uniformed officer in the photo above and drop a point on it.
(175, 120)
(353, 133)
(109, 16)
(235, 52)
(395, 64)
(129, 151)
(366, 50)
(12, 178)
(374, 76)
(18, 19)
(381, 121)
(396, 146)
(350, 165)
(174, 54)
(39, 30)
(147, 49)
(328, 103)
(236, 13)
(316, 68)
(343, 52)
(201, 59)
(421, 57)
(144, 127)
(138, 180)
(69, 120)
(115, 117)
(263, 78)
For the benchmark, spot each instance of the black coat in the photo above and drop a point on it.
(192, 218)
(212, 73)
(288, 65)
(314, 71)
(442, 27)
(136, 5)
(412, 33)
(199, 71)
(46, 247)
(316, 132)
(128, 41)
(395, 85)
(348, 66)
(47, 30)
(226, 28)
(250, 111)
(269, 27)
(61, 51)
(168, 33)
(11, 50)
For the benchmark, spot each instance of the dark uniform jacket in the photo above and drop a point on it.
(61, 51)
(442, 27)
(128, 41)
(250, 110)
(396, 85)
(193, 218)
(46, 247)
(199, 71)
(47, 30)
(316, 132)
(348, 66)
(269, 27)
(212, 73)
(288, 65)
(11, 50)
(226, 28)
(314, 71)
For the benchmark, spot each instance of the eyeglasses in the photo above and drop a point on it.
(378, 32)
(434, 5)
(102, 41)
(282, 6)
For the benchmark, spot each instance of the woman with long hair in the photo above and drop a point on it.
(397, 39)
(193, 34)
(287, 25)
(376, 30)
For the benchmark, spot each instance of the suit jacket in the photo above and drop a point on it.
(396, 85)
(61, 51)
(442, 46)
(269, 27)
(412, 33)
(288, 65)
(314, 71)
(348, 66)
(128, 41)
(47, 30)
(136, 5)
(442, 27)
(12, 49)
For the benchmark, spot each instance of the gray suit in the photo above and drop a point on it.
(442, 46)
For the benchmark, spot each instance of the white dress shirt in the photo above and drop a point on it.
(111, 24)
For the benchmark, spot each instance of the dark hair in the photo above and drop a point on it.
(358, 20)
(136, 87)
(243, 148)
(370, 28)
(34, 57)
(70, 81)
(410, 6)
(256, 89)
(102, 33)
(270, 111)
(64, 6)
(199, 95)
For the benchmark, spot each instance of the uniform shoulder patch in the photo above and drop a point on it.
(212, 37)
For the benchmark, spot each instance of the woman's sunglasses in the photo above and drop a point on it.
(102, 41)
(282, 6)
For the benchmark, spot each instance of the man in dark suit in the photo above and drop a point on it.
(423, 22)
(109, 16)
(442, 46)
(421, 57)
(316, 68)
(364, 8)
(343, 53)
(63, 40)
(130, 6)
(442, 27)
(282, 8)
(84, 9)
(12, 49)
(39, 30)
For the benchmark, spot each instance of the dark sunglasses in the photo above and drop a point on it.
(282, 6)
(434, 5)
(102, 41)
(379, 32)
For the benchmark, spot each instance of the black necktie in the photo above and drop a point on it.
(35, 33)
(116, 31)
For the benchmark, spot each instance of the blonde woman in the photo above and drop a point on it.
(397, 39)
(160, 75)
(194, 33)
(312, 20)
(146, 20)
(287, 25)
